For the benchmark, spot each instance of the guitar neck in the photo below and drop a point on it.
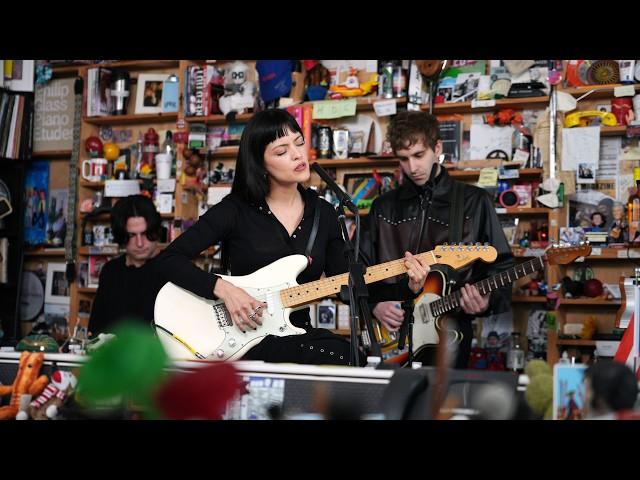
(452, 301)
(309, 292)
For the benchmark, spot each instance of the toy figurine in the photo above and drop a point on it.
(619, 232)
(240, 93)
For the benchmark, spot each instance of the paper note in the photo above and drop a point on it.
(166, 186)
(488, 177)
(121, 188)
(385, 108)
(624, 91)
(482, 103)
(216, 194)
(609, 151)
(580, 145)
(485, 139)
(334, 108)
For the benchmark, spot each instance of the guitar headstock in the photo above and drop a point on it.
(458, 255)
(563, 255)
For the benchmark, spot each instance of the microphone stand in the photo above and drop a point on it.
(355, 293)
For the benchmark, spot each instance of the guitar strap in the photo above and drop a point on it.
(456, 213)
(69, 241)
(314, 232)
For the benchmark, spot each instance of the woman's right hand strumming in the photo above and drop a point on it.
(245, 310)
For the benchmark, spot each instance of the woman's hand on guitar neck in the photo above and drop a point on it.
(471, 301)
(245, 310)
(390, 314)
(417, 270)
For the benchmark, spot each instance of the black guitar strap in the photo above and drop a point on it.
(314, 232)
(456, 213)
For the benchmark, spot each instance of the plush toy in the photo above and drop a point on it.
(240, 93)
(27, 382)
(539, 394)
(46, 406)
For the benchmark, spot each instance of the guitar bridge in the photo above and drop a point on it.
(222, 316)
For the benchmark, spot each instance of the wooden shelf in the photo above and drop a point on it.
(522, 211)
(599, 91)
(218, 119)
(52, 154)
(606, 253)
(43, 252)
(613, 131)
(356, 162)
(107, 215)
(224, 152)
(528, 299)
(470, 174)
(87, 290)
(132, 119)
(576, 342)
(514, 103)
(589, 302)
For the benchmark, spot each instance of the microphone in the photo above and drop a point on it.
(341, 194)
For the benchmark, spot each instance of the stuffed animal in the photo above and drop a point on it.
(27, 382)
(46, 406)
(539, 394)
(240, 92)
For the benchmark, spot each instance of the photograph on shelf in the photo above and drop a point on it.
(55, 316)
(57, 287)
(326, 316)
(149, 92)
(572, 235)
(568, 392)
(584, 203)
(364, 188)
(18, 75)
(586, 173)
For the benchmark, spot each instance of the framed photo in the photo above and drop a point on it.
(326, 317)
(149, 92)
(568, 392)
(57, 287)
(21, 71)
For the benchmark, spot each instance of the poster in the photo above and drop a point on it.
(568, 392)
(36, 192)
(57, 217)
(53, 116)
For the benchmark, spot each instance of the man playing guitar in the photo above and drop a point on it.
(421, 214)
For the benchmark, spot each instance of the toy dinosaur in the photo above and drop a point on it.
(27, 382)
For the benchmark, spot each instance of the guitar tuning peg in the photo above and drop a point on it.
(445, 244)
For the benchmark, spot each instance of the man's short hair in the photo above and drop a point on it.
(410, 127)
(134, 206)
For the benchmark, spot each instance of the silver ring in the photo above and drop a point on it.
(252, 316)
(258, 308)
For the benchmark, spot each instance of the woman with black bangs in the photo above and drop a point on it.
(267, 216)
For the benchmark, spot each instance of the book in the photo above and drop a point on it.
(96, 263)
(451, 133)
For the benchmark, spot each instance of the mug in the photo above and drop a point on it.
(97, 169)
(163, 166)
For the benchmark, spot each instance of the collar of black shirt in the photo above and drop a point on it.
(309, 196)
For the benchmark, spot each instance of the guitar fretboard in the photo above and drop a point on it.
(502, 279)
(302, 294)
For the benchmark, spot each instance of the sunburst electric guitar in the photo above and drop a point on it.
(436, 301)
(190, 326)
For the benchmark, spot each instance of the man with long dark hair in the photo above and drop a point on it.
(127, 284)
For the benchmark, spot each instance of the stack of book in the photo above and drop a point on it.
(16, 124)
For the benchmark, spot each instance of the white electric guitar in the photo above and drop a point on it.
(190, 326)
(435, 301)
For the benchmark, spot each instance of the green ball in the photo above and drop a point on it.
(537, 367)
(539, 394)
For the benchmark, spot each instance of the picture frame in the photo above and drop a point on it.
(326, 317)
(568, 391)
(22, 75)
(57, 286)
(149, 92)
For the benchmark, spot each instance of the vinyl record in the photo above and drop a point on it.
(31, 297)
(604, 72)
